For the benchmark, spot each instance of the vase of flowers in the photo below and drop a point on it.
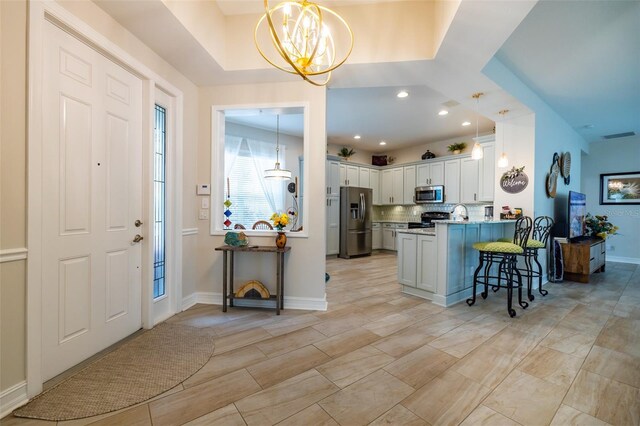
(280, 220)
(599, 226)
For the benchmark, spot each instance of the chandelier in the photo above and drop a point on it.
(476, 152)
(301, 35)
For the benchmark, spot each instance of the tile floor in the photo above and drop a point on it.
(379, 357)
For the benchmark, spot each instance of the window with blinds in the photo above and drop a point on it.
(250, 192)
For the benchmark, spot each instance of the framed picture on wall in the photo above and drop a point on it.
(620, 188)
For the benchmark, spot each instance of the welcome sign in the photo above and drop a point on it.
(514, 180)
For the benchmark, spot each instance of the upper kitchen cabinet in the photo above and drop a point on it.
(349, 175)
(374, 180)
(364, 177)
(468, 180)
(409, 184)
(332, 178)
(430, 174)
(392, 186)
(452, 181)
(487, 172)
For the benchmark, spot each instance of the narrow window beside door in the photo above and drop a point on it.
(159, 202)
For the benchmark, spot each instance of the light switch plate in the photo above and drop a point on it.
(203, 215)
(204, 203)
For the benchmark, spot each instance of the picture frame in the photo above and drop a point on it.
(620, 188)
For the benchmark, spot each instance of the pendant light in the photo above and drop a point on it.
(476, 152)
(277, 172)
(503, 161)
(302, 39)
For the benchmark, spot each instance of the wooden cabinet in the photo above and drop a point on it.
(349, 175)
(392, 186)
(333, 225)
(374, 181)
(332, 178)
(376, 236)
(468, 180)
(408, 184)
(583, 258)
(487, 172)
(407, 252)
(452, 181)
(430, 174)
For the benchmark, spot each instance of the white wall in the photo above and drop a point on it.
(615, 156)
(305, 264)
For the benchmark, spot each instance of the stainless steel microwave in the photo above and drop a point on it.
(429, 194)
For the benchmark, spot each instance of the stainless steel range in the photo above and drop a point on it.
(427, 220)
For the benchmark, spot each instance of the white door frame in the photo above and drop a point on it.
(41, 11)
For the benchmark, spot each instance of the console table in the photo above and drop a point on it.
(583, 258)
(228, 252)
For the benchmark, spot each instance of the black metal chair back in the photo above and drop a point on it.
(542, 228)
(523, 229)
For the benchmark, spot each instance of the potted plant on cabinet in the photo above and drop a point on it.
(457, 148)
(346, 153)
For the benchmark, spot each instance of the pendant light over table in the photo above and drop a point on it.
(503, 161)
(277, 172)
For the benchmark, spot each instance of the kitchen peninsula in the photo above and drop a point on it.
(439, 264)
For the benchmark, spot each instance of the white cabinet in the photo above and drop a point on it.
(468, 180)
(364, 177)
(452, 181)
(430, 174)
(408, 184)
(427, 263)
(407, 259)
(332, 178)
(392, 184)
(333, 225)
(390, 234)
(418, 261)
(487, 172)
(349, 175)
(374, 181)
(376, 236)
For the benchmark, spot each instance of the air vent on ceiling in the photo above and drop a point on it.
(451, 104)
(619, 135)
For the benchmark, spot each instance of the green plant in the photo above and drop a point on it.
(599, 226)
(346, 152)
(457, 146)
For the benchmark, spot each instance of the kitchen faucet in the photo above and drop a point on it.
(464, 216)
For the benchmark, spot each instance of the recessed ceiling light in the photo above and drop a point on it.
(383, 143)
(466, 123)
(357, 137)
(443, 112)
(402, 94)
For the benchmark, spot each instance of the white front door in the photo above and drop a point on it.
(92, 196)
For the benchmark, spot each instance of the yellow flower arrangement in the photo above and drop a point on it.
(280, 220)
(600, 226)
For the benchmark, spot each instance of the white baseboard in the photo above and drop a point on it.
(12, 398)
(303, 303)
(621, 259)
(188, 301)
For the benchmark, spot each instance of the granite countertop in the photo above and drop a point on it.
(393, 221)
(471, 222)
(419, 231)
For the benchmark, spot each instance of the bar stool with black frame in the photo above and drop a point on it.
(506, 253)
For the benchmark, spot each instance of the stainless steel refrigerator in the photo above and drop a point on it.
(355, 221)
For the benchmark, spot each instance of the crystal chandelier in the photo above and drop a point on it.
(300, 32)
(476, 152)
(277, 172)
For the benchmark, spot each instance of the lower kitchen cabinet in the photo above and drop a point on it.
(390, 233)
(376, 236)
(333, 225)
(417, 261)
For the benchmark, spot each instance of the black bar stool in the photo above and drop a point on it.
(506, 253)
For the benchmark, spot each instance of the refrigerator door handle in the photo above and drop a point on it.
(364, 207)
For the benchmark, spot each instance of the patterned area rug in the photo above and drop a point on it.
(147, 366)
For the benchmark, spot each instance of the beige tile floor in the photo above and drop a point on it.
(380, 357)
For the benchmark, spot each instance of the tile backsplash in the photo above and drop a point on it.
(412, 213)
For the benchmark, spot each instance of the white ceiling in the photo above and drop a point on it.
(583, 59)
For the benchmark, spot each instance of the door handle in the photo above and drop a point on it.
(138, 223)
(138, 238)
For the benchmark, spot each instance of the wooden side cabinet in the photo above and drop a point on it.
(583, 258)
